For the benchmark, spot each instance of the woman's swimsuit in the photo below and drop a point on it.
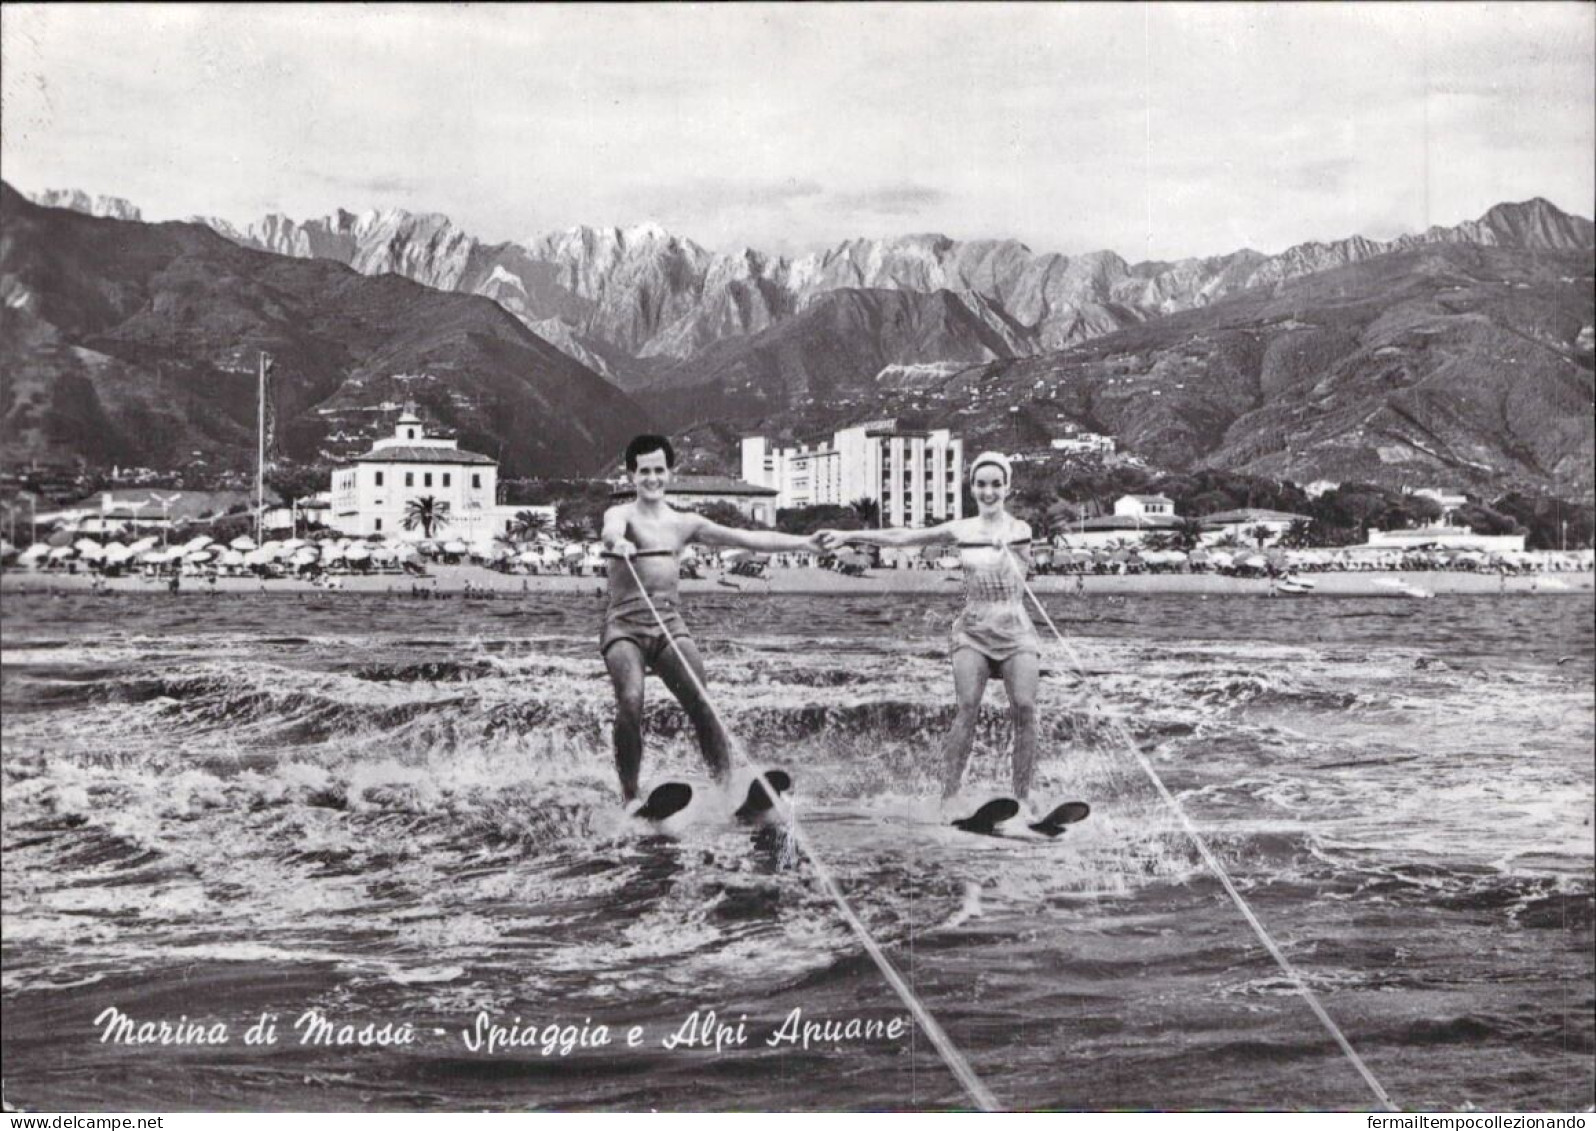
(994, 621)
(630, 618)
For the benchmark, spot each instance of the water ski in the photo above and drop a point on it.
(665, 801)
(1066, 814)
(985, 820)
(759, 801)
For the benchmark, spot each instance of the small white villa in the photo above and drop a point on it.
(370, 496)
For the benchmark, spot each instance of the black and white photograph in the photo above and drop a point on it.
(769, 557)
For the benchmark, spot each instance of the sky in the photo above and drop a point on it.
(1158, 131)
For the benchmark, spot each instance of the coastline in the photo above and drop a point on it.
(454, 580)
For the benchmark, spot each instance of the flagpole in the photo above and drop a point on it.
(260, 455)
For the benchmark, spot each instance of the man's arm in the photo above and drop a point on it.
(945, 534)
(760, 541)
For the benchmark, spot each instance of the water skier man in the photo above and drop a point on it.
(649, 534)
(993, 635)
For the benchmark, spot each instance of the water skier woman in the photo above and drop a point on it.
(993, 635)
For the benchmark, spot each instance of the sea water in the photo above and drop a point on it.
(363, 851)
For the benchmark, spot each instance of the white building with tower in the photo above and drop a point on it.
(370, 496)
(914, 475)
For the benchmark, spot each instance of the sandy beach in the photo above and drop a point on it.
(456, 579)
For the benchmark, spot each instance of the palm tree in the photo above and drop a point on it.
(527, 525)
(1160, 540)
(1188, 533)
(868, 510)
(426, 511)
(1299, 534)
(1261, 534)
(1230, 541)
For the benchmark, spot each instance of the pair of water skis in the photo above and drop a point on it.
(991, 819)
(666, 800)
(996, 818)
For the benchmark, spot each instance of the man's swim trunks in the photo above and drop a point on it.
(630, 619)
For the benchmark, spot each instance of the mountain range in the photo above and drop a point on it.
(1449, 363)
(631, 301)
(136, 343)
(965, 331)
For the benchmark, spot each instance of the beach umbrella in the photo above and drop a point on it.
(530, 557)
(574, 550)
(305, 557)
(145, 543)
(1256, 561)
(333, 553)
(292, 544)
(357, 554)
(383, 554)
(59, 538)
(34, 552)
(258, 557)
(243, 542)
(117, 552)
(196, 557)
(232, 558)
(198, 542)
(87, 546)
(425, 546)
(61, 553)
(455, 546)
(404, 551)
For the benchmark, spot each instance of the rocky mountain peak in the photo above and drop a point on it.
(1537, 223)
(77, 200)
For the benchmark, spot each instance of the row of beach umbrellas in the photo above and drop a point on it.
(243, 551)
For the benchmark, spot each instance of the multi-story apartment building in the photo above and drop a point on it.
(914, 475)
